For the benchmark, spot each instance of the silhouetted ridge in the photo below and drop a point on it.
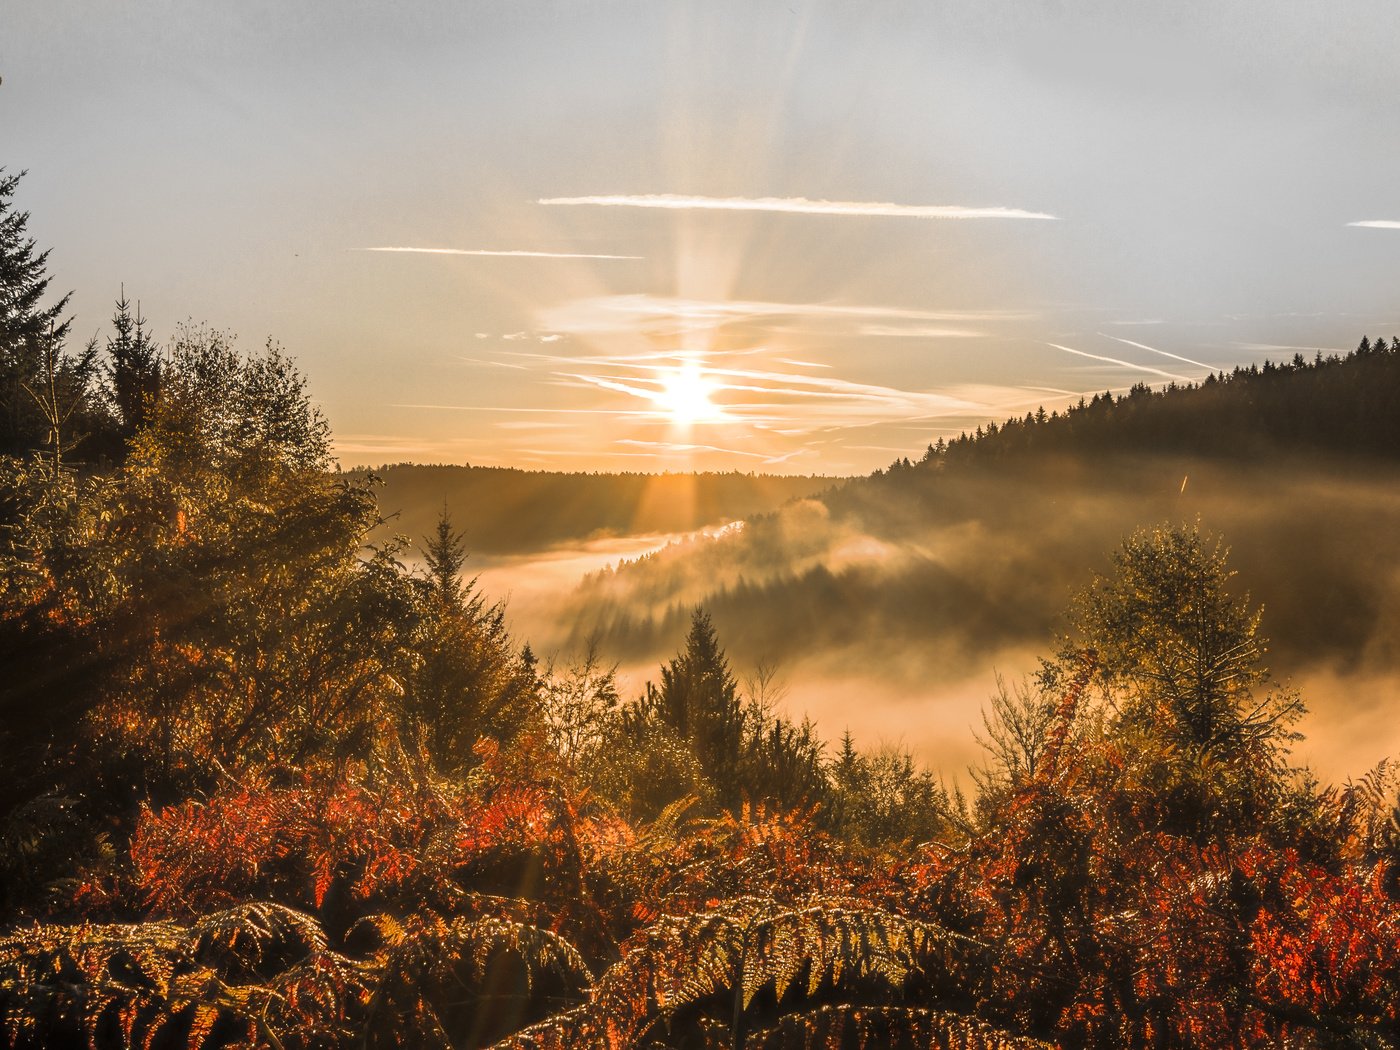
(1329, 404)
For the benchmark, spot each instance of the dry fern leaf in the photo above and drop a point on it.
(907, 1028)
(835, 946)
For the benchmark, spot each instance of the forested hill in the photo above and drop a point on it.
(1333, 404)
(504, 510)
(972, 551)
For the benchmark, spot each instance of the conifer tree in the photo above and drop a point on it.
(444, 554)
(133, 371)
(699, 699)
(27, 328)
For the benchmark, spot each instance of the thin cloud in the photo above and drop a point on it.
(1123, 364)
(1378, 224)
(513, 409)
(797, 205)
(499, 254)
(674, 315)
(918, 332)
(1154, 350)
(673, 446)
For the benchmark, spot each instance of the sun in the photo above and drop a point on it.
(685, 395)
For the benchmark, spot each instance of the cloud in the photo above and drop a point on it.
(918, 332)
(1377, 224)
(786, 397)
(1124, 364)
(499, 254)
(673, 446)
(514, 409)
(1164, 353)
(797, 205)
(672, 315)
(382, 444)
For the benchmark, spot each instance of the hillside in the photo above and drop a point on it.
(930, 573)
(503, 510)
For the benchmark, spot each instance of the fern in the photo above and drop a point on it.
(468, 981)
(908, 1028)
(257, 971)
(835, 947)
(709, 968)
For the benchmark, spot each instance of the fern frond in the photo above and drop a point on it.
(836, 946)
(439, 979)
(886, 1026)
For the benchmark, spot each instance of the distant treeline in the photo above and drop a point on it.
(503, 510)
(1327, 404)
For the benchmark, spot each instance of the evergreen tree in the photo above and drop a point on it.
(28, 329)
(699, 699)
(444, 554)
(468, 682)
(133, 370)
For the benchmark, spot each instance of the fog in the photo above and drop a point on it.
(890, 606)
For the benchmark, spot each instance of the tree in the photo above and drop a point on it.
(467, 681)
(1017, 724)
(133, 369)
(883, 798)
(207, 605)
(1186, 655)
(31, 335)
(580, 706)
(699, 699)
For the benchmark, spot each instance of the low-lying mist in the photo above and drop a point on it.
(890, 606)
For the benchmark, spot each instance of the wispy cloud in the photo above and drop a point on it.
(1378, 224)
(671, 315)
(797, 205)
(498, 254)
(1154, 350)
(511, 409)
(918, 332)
(673, 446)
(388, 444)
(1280, 347)
(787, 400)
(1121, 363)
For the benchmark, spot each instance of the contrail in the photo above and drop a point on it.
(797, 205)
(1164, 353)
(1116, 361)
(1377, 224)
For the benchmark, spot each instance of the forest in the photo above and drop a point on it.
(932, 572)
(274, 780)
(511, 511)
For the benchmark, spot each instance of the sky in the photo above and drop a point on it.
(800, 236)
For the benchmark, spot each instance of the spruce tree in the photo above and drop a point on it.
(28, 329)
(133, 370)
(699, 699)
(444, 554)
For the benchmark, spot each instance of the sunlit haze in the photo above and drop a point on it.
(797, 238)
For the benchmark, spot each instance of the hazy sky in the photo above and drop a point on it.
(794, 236)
